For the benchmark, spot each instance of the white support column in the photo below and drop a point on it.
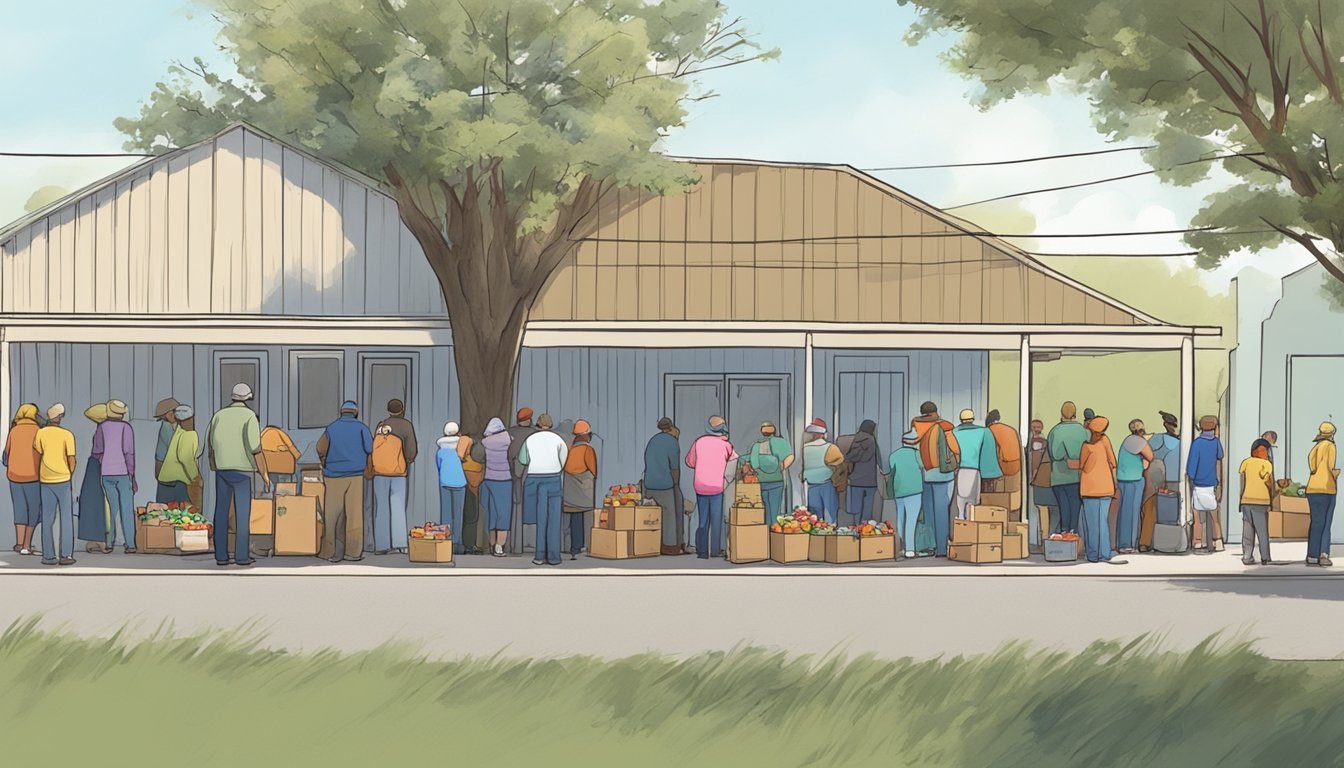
(1187, 417)
(807, 411)
(1024, 422)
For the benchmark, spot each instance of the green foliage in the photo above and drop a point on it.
(43, 197)
(207, 699)
(1200, 78)
(554, 90)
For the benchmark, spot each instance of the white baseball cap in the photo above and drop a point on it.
(241, 393)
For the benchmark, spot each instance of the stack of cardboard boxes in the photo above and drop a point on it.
(627, 531)
(748, 534)
(1289, 517)
(298, 524)
(988, 536)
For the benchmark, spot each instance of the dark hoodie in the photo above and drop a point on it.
(862, 456)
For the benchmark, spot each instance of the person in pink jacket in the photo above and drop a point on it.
(710, 457)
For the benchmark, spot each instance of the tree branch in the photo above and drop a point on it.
(1309, 242)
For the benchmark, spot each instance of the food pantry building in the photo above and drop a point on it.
(768, 292)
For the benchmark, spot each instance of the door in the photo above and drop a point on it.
(879, 396)
(383, 378)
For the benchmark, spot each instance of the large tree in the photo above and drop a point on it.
(1260, 79)
(498, 125)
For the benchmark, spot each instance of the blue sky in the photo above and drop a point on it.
(847, 89)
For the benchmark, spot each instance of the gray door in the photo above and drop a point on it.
(879, 396)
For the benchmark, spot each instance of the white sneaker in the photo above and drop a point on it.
(910, 555)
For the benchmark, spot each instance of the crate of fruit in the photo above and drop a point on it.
(431, 543)
(1061, 548)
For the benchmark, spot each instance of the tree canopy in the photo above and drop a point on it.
(1256, 82)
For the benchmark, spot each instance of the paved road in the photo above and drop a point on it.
(921, 616)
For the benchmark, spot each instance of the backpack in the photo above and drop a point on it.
(388, 460)
(765, 461)
(935, 452)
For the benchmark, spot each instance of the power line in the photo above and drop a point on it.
(1009, 162)
(74, 154)
(1212, 231)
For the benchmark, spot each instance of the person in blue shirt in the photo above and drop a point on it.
(662, 481)
(1204, 468)
(344, 450)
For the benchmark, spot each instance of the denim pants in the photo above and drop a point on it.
(907, 518)
(451, 503)
(823, 501)
(27, 499)
(57, 499)
(232, 486)
(1318, 536)
(772, 496)
(497, 504)
(389, 513)
(859, 501)
(1127, 519)
(937, 504)
(576, 523)
(541, 496)
(1070, 504)
(1097, 529)
(710, 529)
(117, 489)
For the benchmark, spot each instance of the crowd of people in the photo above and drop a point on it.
(532, 475)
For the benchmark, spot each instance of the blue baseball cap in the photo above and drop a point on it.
(349, 405)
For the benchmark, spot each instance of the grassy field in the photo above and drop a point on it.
(220, 700)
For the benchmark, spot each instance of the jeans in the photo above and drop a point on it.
(907, 517)
(173, 492)
(1318, 536)
(937, 503)
(1254, 524)
(823, 501)
(576, 523)
(1097, 529)
(57, 499)
(859, 501)
(541, 495)
(1127, 519)
(451, 503)
(497, 504)
(772, 496)
(117, 489)
(710, 530)
(233, 487)
(389, 513)
(27, 499)
(1070, 504)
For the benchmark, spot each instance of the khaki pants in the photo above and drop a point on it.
(343, 512)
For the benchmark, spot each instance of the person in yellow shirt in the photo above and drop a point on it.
(1257, 490)
(56, 447)
(1321, 490)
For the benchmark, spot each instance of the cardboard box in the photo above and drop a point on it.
(609, 544)
(630, 518)
(748, 543)
(1010, 500)
(844, 549)
(1015, 547)
(286, 489)
(748, 492)
(1294, 504)
(877, 548)
(192, 541)
(1015, 528)
(746, 516)
(317, 489)
(816, 549)
(789, 547)
(987, 513)
(1288, 525)
(155, 537)
(298, 525)
(646, 543)
(975, 553)
(262, 520)
(977, 532)
(430, 551)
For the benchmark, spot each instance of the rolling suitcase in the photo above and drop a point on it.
(1170, 538)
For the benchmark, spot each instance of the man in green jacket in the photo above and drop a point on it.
(770, 459)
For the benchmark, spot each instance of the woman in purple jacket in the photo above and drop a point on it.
(497, 488)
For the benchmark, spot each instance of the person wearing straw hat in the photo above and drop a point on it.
(164, 413)
(56, 446)
(1321, 494)
(579, 495)
(21, 469)
(233, 443)
(1096, 472)
(114, 448)
(905, 478)
(821, 458)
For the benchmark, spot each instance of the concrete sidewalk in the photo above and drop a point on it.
(1290, 557)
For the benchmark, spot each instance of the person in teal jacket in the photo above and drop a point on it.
(979, 452)
(905, 483)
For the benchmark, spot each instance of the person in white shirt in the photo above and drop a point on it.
(543, 456)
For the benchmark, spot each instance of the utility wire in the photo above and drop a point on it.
(74, 154)
(1213, 231)
(1009, 162)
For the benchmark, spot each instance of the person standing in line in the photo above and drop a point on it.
(475, 529)
(1135, 456)
(1272, 439)
(22, 462)
(1321, 495)
(543, 457)
(55, 445)
(344, 450)
(396, 499)
(453, 448)
(906, 476)
(114, 448)
(1204, 470)
(180, 472)
(387, 470)
(1065, 444)
(662, 484)
(1257, 492)
(1042, 510)
(1008, 448)
(709, 458)
(95, 516)
(1097, 467)
(580, 485)
(233, 444)
(497, 487)
(518, 433)
(821, 458)
(863, 463)
(979, 454)
(1167, 449)
(939, 453)
(770, 459)
(163, 413)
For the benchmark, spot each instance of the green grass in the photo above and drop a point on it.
(223, 700)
